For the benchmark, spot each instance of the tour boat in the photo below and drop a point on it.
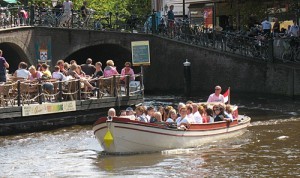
(119, 135)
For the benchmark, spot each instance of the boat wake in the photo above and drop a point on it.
(275, 121)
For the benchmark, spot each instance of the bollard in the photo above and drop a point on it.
(40, 98)
(187, 78)
(19, 93)
(60, 90)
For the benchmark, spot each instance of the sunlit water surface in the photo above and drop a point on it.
(269, 148)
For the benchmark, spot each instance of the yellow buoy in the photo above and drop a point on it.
(108, 139)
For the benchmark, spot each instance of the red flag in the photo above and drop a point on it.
(226, 96)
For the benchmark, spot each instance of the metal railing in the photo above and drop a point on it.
(21, 92)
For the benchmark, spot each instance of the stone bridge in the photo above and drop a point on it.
(209, 67)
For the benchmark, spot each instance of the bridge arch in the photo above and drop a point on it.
(13, 54)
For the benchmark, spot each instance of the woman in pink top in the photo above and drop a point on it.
(127, 70)
(35, 75)
(110, 69)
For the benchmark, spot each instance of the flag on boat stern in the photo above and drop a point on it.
(108, 139)
(226, 95)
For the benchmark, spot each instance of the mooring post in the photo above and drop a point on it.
(114, 86)
(187, 78)
(127, 81)
(60, 90)
(142, 80)
(98, 86)
(40, 92)
(19, 93)
(79, 90)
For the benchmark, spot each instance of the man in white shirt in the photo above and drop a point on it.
(197, 116)
(217, 96)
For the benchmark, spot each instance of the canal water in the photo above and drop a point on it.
(269, 148)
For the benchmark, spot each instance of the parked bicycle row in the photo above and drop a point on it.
(266, 47)
(58, 17)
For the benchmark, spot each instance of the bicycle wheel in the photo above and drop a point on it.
(47, 21)
(286, 56)
(297, 56)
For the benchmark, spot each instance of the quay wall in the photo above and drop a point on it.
(211, 67)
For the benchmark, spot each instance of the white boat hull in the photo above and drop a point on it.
(136, 137)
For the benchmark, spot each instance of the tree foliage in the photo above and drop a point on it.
(121, 8)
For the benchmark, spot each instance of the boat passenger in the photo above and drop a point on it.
(111, 112)
(182, 120)
(172, 116)
(228, 112)
(197, 116)
(219, 114)
(127, 70)
(22, 72)
(166, 114)
(139, 111)
(129, 112)
(180, 105)
(202, 111)
(190, 115)
(110, 69)
(157, 117)
(217, 96)
(209, 115)
(150, 113)
(123, 113)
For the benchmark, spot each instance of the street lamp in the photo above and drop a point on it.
(54, 3)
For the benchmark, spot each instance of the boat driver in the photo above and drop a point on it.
(217, 96)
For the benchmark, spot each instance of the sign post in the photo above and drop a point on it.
(140, 57)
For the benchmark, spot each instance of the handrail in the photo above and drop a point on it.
(27, 92)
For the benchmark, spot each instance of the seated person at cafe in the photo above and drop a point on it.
(22, 72)
(74, 74)
(98, 72)
(61, 65)
(58, 75)
(127, 70)
(35, 75)
(46, 72)
(110, 69)
(88, 68)
(47, 86)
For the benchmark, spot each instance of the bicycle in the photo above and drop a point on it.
(291, 48)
